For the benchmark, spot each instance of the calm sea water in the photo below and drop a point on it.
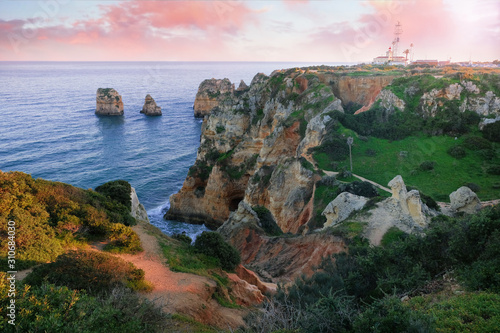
(48, 127)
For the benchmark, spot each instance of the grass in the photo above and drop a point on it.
(470, 312)
(448, 175)
(392, 235)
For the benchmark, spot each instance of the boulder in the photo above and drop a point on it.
(108, 102)
(398, 188)
(464, 200)
(150, 108)
(341, 207)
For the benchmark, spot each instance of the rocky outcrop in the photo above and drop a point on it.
(487, 105)
(409, 202)
(341, 207)
(138, 211)
(108, 102)
(488, 121)
(150, 108)
(464, 200)
(390, 102)
(276, 258)
(242, 87)
(244, 293)
(211, 94)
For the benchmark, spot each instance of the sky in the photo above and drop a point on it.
(238, 30)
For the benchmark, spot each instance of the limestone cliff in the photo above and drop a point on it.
(211, 94)
(108, 102)
(254, 147)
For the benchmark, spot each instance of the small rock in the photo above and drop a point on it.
(108, 102)
(150, 108)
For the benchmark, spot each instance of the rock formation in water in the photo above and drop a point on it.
(150, 108)
(108, 102)
(211, 94)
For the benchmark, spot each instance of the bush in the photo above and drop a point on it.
(457, 152)
(494, 170)
(370, 153)
(390, 315)
(267, 221)
(212, 244)
(477, 143)
(427, 165)
(361, 188)
(474, 187)
(95, 272)
(49, 308)
(492, 132)
(123, 239)
(118, 190)
(183, 238)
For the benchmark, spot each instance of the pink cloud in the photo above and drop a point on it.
(131, 29)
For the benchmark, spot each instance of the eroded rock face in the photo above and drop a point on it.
(276, 258)
(150, 108)
(137, 210)
(211, 94)
(341, 207)
(390, 101)
(108, 102)
(464, 200)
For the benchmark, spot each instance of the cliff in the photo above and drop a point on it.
(108, 102)
(211, 94)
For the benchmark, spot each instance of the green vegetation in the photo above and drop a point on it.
(448, 173)
(94, 272)
(470, 312)
(48, 308)
(360, 290)
(392, 235)
(213, 245)
(267, 221)
(56, 217)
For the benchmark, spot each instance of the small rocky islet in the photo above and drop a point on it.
(109, 103)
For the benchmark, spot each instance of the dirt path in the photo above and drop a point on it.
(183, 293)
(332, 173)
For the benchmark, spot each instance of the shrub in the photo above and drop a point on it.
(427, 165)
(95, 272)
(123, 240)
(49, 308)
(361, 188)
(392, 235)
(267, 221)
(476, 143)
(492, 132)
(474, 187)
(457, 152)
(391, 315)
(183, 238)
(118, 190)
(494, 170)
(212, 244)
(370, 153)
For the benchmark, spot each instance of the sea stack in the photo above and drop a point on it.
(150, 108)
(108, 102)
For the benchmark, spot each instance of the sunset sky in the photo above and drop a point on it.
(309, 31)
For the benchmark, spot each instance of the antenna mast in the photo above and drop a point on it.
(397, 32)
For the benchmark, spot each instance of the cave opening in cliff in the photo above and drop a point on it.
(234, 202)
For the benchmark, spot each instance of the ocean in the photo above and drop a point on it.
(48, 127)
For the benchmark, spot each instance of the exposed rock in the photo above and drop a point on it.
(487, 121)
(211, 94)
(108, 102)
(150, 108)
(341, 207)
(252, 278)
(398, 188)
(282, 258)
(244, 293)
(464, 200)
(137, 210)
(243, 86)
(486, 105)
(390, 102)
